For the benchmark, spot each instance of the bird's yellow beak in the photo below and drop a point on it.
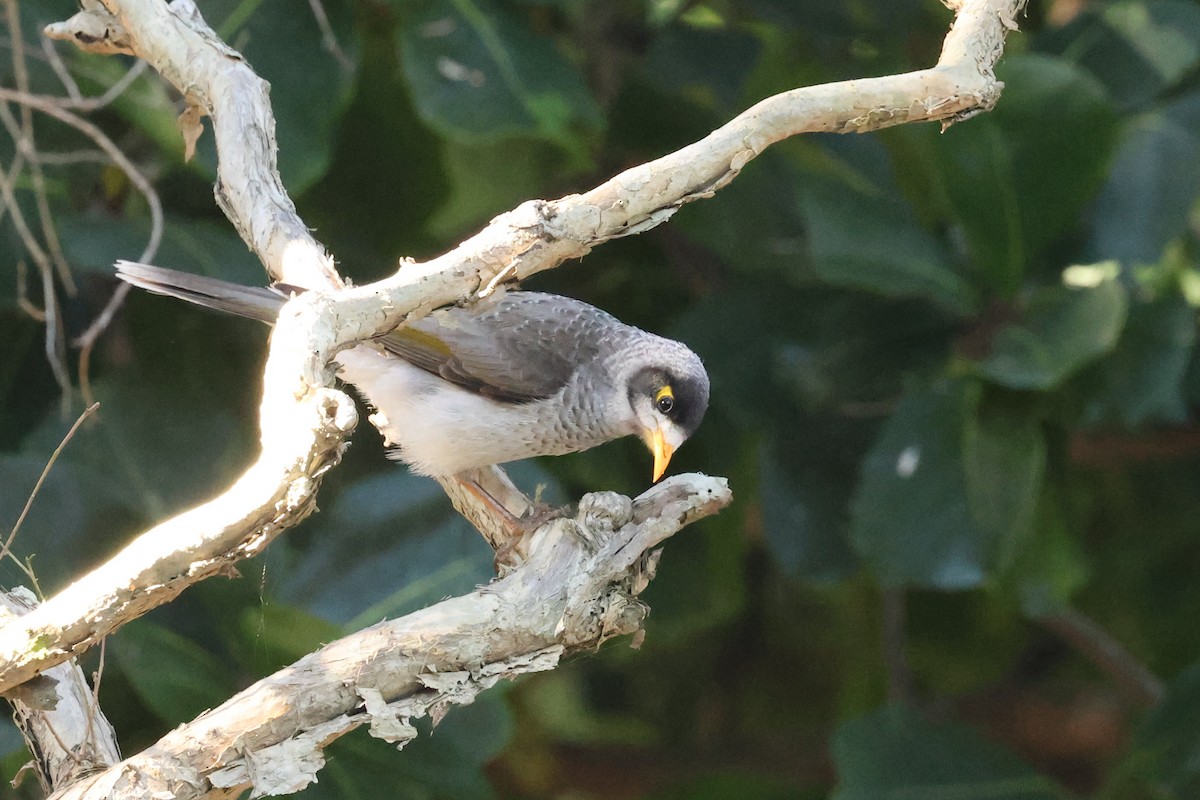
(662, 452)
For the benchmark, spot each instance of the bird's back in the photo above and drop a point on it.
(518, 347)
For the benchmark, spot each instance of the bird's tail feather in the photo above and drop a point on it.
(256, 302)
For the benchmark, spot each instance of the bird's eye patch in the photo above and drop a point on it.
(664, 399)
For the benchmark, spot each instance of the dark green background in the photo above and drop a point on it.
(954, 380)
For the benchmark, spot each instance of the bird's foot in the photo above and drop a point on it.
(514, 550)
(510, 544)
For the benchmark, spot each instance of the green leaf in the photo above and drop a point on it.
(477, 73)
(445, 763)
(273, 635)
(726, 785)
(1062, 328)
(1142, 380)
(176, 678)
(1015, 183)
(1004, 460)
(57, 519)
(733, 226)
(1150, 190)
(804, 517)
(488, 178)
(1138, 49)
(380, 144)
(1167, 743)
(560, 700)
(150, 448)
(863, 238)
(310, 87)
(389, 544)
(894, 754)
(680, 61)
(824, 350)
(926, 511)
(1051, 567)
(146, 104)
(92, 242)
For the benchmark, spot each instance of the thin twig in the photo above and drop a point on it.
(50, 107)
(23, 301)
(5, 549)
(116, 90)
(69, 157)
(9, 197)
(328, 39)
(56, 351)
(1108, 655)
(87, 340)
(76, 100)
(49, 313)
(97, 676)
(13, 172)
(894, 607)
(60, 69)
(26, 142)
(111, 93)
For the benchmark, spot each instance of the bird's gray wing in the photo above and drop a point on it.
(520, 347)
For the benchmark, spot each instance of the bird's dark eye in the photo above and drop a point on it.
(664, 400)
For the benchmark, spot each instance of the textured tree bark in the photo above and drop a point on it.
(59, 716)
(577, 587)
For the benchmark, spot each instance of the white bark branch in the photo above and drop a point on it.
(303, 421)
(215, 79)
(578, 587)
(59, 716)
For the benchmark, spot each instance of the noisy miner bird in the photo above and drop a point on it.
(512, 376)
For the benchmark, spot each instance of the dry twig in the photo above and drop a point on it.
(6, 548)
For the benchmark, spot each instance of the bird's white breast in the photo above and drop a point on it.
(441, 429)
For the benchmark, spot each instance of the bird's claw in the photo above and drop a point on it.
(512, 552)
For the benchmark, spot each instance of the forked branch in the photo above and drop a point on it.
(303, 420)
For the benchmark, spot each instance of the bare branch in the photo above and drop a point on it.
(59, 716)
(60, 69)
(328, 38)
(25, 142)
(174, 40)
(87, 340)
(573, 593)
(201, 542)
(6, 547)
(75, 100)
(48, 314)
(302, 420)
(52, 107)
(1097, 645)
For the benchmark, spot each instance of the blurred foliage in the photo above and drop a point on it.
(955, 378)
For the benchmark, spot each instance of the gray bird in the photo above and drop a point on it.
(516, 375)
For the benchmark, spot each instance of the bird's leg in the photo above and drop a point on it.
(490, 502)
(512, 525)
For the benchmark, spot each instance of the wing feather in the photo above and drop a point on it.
(520, 347)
